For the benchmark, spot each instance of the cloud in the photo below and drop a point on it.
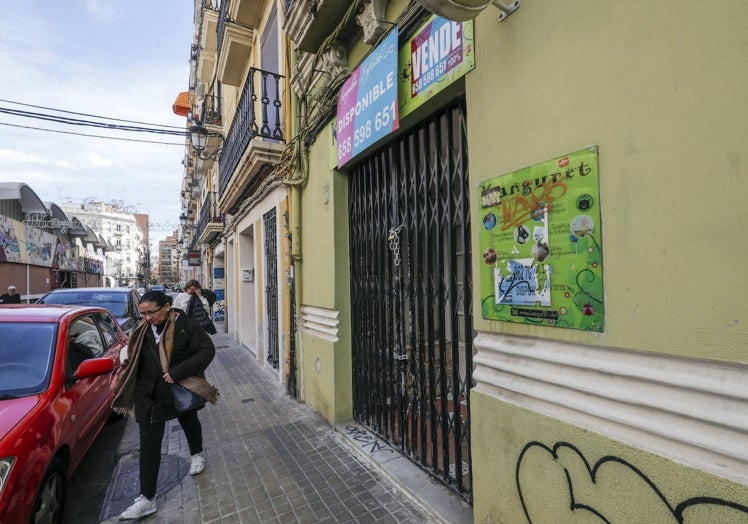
(83, 57)
(99, 161)
(8, 157)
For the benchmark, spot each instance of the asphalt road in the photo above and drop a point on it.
(88, 486)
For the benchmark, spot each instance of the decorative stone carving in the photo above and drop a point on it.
(371, 18)
(334, 60)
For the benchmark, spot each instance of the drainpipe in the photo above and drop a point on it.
(295, 281)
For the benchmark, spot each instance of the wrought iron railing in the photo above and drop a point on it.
(212, 113)
(208, 213)
(223, 15)
(271, 287)
(262, 94)
(411, 288)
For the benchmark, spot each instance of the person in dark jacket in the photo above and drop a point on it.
(145, 388)
(11, 297)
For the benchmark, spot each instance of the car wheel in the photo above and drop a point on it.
(50, 501)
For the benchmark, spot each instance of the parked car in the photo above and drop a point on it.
(57, 364)
(122, 302)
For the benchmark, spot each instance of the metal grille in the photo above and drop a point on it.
(411, 293)
(271, 287)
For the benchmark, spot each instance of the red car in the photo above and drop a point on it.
(57, 364)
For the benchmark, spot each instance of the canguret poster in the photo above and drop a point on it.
(541, 245)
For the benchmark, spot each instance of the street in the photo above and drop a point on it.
(88, 486)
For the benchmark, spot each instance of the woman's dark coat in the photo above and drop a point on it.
(192, 352)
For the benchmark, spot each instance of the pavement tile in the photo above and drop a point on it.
(270, 459)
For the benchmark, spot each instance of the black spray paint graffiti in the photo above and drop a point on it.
(367, 440)
(611, 491)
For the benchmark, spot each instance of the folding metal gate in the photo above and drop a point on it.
(271, 286)
(411, 296)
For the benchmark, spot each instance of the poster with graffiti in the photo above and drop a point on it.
(10, 248)
(40, 246)
(219, 308)
(541, 246)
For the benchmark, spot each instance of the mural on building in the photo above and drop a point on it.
(219, 308)
(23, 243)
(540, 243)
(11, 249)
(608, 492)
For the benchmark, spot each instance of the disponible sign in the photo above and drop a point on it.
(367, 104)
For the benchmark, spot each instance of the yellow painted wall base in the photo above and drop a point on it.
(536, 469)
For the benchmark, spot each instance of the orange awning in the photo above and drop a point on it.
(182, 104)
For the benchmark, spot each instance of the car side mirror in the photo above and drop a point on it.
(94, 367)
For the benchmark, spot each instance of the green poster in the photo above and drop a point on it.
(541, 246)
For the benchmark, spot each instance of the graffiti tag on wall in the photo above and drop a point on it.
(610, 491)
(368, 441)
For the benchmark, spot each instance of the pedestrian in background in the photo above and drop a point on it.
(192, 302)
(11, 297)
(143, 387)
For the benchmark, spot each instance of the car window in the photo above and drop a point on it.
(83, 330)
(114, 301)
(106, 323)
(84, 342)
(26, 356)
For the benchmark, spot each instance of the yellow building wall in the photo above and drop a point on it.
(545, 472)
(326, 365)
(662, 88)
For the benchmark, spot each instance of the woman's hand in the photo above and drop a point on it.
(168, 379)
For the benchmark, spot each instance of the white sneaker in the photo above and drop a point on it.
(141, 508)
(198, 464)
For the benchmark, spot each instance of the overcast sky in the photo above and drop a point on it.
(125, 59)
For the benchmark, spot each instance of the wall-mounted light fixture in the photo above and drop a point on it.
(462, 10)
(199, 136)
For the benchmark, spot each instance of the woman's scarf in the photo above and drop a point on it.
(124, 385)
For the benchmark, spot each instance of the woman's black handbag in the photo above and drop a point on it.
(185, 399)
(210, 327)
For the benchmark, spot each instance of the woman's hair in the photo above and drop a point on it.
(192, 283)
(158, 297)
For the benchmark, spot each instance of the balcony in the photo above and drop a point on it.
(211, 116)
(209, 224)
(206, 59)
(256, 138)
(310, 22)
(234, 46)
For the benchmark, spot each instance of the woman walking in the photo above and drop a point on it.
(192, 302)
(145, 388)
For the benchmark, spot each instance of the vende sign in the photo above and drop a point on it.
(435, 51)
(193, 258)
(367, 103)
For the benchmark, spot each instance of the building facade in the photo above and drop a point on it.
(496, 275)
(124, 230)
(235, 202)
(42, 248)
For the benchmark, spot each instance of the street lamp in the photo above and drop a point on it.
(199, 138)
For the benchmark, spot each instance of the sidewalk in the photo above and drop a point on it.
(271, 459)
